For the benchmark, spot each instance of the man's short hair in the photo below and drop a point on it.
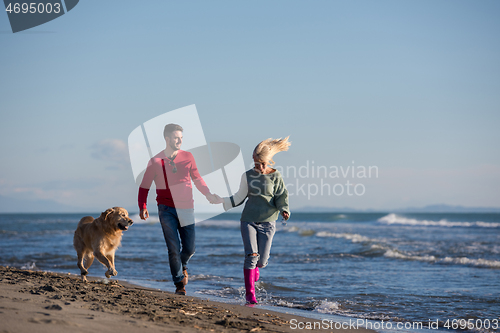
(171, 128)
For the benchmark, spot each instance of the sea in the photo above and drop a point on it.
(441, 270)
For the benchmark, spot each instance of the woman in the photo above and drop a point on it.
(267, 198)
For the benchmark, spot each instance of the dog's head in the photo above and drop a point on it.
(117, 217)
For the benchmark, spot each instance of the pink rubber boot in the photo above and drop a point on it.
(257, 274)
(250, 285)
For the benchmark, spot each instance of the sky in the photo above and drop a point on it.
(408, 88)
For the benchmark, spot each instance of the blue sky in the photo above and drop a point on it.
(410, 87)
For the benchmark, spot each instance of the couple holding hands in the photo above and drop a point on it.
(262, 185)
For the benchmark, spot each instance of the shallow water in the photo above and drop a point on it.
(379, 266)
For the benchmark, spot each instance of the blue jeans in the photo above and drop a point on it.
(179, 250)
(257, 238)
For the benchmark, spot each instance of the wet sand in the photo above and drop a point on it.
(35, 301)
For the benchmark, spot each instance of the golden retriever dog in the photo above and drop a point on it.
(100, 238)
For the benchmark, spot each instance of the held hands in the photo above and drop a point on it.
(285, 215)
(219, 199)
(214, 199)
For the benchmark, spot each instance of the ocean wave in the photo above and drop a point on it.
(307, 232)
(322, 306)
(8, 232)
(237, 294)
(472, 262)
(35, 234)
(399, 255)
(380, 247)
(226, 292)
(31, 265)
(355, 238)
(394, 253)
(396, 219)
(326, 306)
(286, 304)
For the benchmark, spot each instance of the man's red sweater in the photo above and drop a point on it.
(172, 189)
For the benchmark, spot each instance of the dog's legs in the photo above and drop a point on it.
(89, 259)
(83, 270)
(111, 258)
(103, 259)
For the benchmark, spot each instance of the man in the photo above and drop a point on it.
(172, 170)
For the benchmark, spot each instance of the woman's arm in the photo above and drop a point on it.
(239, 197)
(281, 199)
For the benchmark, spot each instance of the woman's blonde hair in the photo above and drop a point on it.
(268, 148)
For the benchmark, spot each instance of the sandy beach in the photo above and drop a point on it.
(36, 301)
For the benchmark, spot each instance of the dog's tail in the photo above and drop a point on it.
(78, 236)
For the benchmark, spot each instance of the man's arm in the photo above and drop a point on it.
(199, 182)
(142, 197)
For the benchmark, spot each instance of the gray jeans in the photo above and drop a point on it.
(257, 238)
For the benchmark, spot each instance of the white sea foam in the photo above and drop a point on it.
(302, 232)
(396, 219)
(326, 306)
(394, 253)
(474, 262)
(227, 292)
(195, 277)
(355, 238)
(30, 265)
(285, 304)
(400, 255)
(307, 232)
